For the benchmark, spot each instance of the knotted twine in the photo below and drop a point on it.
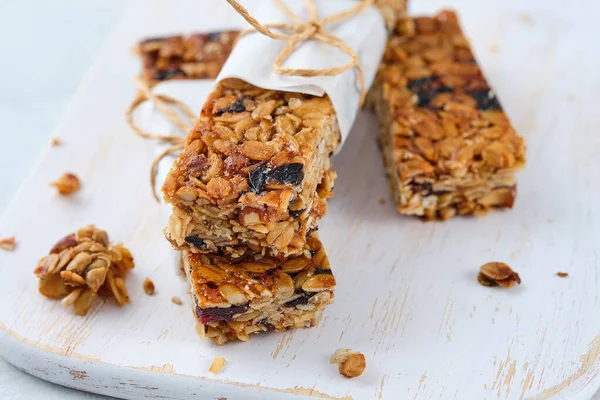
(294, 33)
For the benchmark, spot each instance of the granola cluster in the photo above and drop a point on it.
(197, 56)
(255, 173)
(235, 298)
(83, 266)
(448, 146)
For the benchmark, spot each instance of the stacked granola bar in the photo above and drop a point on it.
(255, 173)
(251, 184)
(448, 146)
(236, 297)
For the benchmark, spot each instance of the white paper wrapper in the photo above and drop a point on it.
(253, 56)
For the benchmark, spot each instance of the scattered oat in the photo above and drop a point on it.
(148, 286)
(55, 142)
(176, 300)
(526, 18)
(497, 273)
(82, 266)
(350, 363)
(381, 201)
(562, 274)
(67, 184)
(8, 243)
(217, 365)
(495, 48)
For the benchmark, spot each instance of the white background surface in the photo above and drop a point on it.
(45, 49)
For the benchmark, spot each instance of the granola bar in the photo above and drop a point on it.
(197, 56)
(202, 55)
(448, 146)
(255, 173)
(236, 297)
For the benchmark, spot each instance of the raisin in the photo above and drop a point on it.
(291, 174)
(311, 230)
(296, 213)
(416, 85)
(266, 324)
(196, 242)
(320, 271)
(207, 315)
(424, 188)
(257, 178)
(303, 299)
(236, 106)
(168, 73)
(426, 97)
(427, 89)
(214, 36)
(486, 99)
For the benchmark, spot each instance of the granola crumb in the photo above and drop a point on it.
(350, 363)
(217, 365)
(381, 201)
(8, 243)
(83, 266)
(562, 274)
(67, 184)
(497, 274)
(55, 142)
(495, 48)
(176, 300)
(526, 18)
(148, 286)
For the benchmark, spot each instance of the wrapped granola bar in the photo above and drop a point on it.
(255, 172)
(202, 55)
(196, 56)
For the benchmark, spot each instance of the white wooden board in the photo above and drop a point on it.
(407, 295)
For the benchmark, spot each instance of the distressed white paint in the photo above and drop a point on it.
(427, 328)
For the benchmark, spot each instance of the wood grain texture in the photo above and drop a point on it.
(407, 292)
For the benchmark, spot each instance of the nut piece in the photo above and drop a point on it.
(8, 243)
(562, 274)
(148, 286)
(497, 273)
(176, 300)
(351, 364)
(84, 302)
(217, 365)
(67, 184)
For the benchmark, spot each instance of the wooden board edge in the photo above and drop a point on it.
(132, 383)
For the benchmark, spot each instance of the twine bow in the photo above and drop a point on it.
(296, 32)
(299, 31)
